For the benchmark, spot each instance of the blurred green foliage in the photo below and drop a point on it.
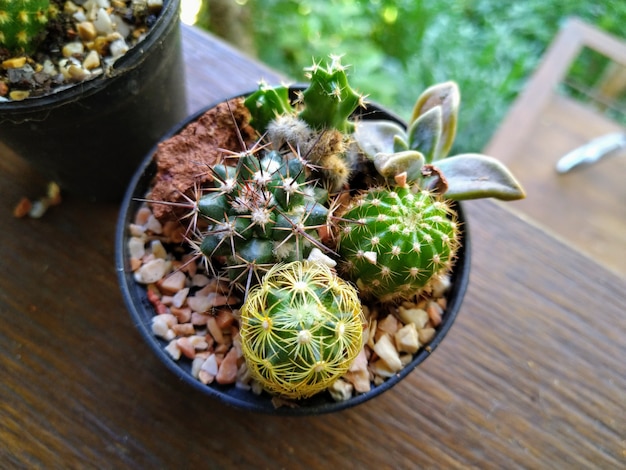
(399, 47)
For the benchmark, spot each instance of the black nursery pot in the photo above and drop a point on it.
(142, 311)
(91, 137)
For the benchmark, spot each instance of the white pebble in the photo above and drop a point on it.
(406, 339)
(210, 365)
(103, 22)
(118, 48)
(73, 48)
(161, 326)
(340, 390)
(154, 225)
(120, 25)
(152, 271)
(316, 256)
(417, 316)
(173, 350)
(386, 350)
(136, 247)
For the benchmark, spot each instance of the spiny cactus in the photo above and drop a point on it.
(318, 123)
(22, 23)
(301, 329)
(259, 213)
(393, 241)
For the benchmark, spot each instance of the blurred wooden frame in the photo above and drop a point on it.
(586, 207)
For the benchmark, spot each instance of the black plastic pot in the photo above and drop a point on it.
(142, 311)
(91, 137)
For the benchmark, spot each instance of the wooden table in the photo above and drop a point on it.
(531, 376)
(587, 206)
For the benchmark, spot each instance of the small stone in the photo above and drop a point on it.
(77, 73)
(389, 324)
(161, 326)
(227, 372)
(183, 315)
(142, 216)
(316, 256)
(158, 250)
(406, 339)
(22, 208)
(154, 225)
(434, 311)
(172, 283)
(92, 60)
(19, 95)
(38, 209)
(214, 329)
(340, 390)
(173, 350)
(73, 49)
(417, 316)
(86, 30)
(210, 365)
(118, 48)
(14, 63)
(386, 350)
(152, 271)
(136, 247)
(180, 297)
(426, 335)
(103, 23)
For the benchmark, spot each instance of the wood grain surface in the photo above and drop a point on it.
(532, 375)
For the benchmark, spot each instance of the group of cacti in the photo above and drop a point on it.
(286, 213)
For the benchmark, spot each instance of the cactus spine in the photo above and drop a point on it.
(22, 23)
(301, 328)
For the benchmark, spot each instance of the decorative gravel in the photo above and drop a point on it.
(82, 43)
(199, 318)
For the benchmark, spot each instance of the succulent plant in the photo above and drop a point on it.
(301, 329)
(392, 240)
(318, 125)
(22, 24)
(287, 213)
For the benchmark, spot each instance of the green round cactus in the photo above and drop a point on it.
(22, 23)
(261, 212)
(301, 329)
(392, 241)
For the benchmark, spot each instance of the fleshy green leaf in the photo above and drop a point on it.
(447, 96)
(375, 137)
(391, 164)
(424, 133)
(400, 144)
(474, 176)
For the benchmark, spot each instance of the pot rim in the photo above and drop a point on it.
(141, 311)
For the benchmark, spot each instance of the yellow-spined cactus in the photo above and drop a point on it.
(301, 329)
(22, 23)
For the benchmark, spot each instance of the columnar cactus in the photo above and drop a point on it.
(301, 329)
(259, 213)
(22, 23)
(319, 124)
(393, 241)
